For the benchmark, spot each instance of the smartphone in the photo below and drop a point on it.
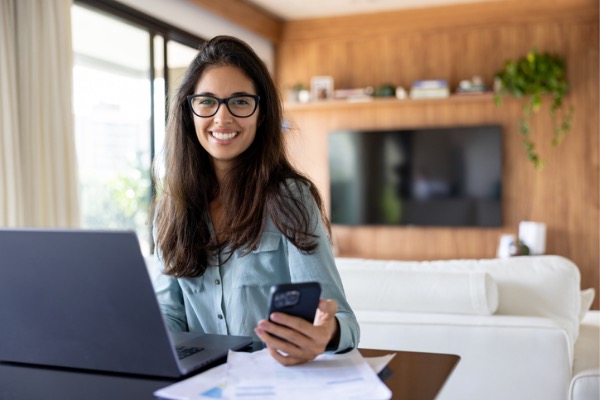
(298, 299)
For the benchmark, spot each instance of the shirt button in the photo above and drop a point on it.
(220, 316)
(217, 282)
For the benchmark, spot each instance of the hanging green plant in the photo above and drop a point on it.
(531, 77)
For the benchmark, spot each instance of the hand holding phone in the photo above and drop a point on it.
(307, 340)
(297, 299)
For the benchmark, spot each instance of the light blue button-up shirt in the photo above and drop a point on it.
(233, 295)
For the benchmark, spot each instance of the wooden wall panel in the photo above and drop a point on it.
(455, 43)
(247, 15)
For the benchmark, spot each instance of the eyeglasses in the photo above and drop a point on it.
(241, 106)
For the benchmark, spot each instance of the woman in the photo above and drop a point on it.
(234, 217)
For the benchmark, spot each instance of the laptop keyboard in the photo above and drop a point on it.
(186, 351)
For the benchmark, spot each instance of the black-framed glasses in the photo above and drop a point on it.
(241, 106)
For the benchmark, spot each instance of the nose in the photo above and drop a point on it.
(223, 115)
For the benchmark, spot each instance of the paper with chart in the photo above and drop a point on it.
(341, 376)
(209, 385)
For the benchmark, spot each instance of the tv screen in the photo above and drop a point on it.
(425, 177)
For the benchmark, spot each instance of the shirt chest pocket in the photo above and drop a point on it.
(192, 286)
(269, 241)
(263, 266)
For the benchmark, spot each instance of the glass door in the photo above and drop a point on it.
(120, 105)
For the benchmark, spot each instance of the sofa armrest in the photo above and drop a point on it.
(585, 384)
(502, 357)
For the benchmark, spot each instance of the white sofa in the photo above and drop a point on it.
(516, 323)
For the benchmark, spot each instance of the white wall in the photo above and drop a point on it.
(192, 18)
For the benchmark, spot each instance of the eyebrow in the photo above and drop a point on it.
(231, 95)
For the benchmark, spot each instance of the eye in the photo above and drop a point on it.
(204, 101)
(241, 101)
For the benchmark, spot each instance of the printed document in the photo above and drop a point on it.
(258, 376)
(342, 376)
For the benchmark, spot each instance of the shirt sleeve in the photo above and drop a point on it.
(320, 266)
(169, 295)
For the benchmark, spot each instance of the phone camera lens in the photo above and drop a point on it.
(292, 297)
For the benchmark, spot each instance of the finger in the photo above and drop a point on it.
(290, 321)
(303, 345)
(270, 340)
(328, 306)
(286, 360)
(326, 311)
(304, 335)
(284, 338)
(291, 351)
(275, 331)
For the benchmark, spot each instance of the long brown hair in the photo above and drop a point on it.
(259, 185)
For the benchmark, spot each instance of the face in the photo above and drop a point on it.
(225, 136)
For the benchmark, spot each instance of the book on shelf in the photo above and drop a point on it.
(429, 93)
(353, 94)
(462, 92)
(474, 85)
(429, 89)
(430, 84)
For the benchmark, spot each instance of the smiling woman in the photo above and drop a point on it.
(225, 132)
(234, 217)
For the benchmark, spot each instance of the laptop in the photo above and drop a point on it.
(84, 299)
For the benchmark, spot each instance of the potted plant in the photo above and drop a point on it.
(299, 93)
(531, 77)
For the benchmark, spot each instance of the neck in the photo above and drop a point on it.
(221, 168)
(216, 216)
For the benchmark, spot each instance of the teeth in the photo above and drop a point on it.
(225, 136)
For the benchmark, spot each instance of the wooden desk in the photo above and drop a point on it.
(415, 376)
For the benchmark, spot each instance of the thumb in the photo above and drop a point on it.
(326, 311)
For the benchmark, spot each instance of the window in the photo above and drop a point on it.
(120, 87)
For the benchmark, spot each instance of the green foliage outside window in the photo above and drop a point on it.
(119, 202)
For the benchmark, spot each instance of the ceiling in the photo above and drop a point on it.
(303, 9)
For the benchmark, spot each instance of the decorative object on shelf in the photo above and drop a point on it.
(509, 246)
(531, 77)
(358, 94)
(429, 89)
(533, 234)
(321, 87)
(401, 93)
(304, 96)
(299, 93)
(385, 90)
(471, 86)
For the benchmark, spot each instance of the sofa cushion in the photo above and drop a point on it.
(538, 286)
(471, 292)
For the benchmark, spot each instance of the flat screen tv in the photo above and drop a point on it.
(449, 176)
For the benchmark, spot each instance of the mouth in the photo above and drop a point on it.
(223, 135)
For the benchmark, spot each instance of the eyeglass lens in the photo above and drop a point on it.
(239, 106)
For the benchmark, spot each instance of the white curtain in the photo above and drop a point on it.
(38, 171)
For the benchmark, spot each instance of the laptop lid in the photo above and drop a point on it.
(84, 299)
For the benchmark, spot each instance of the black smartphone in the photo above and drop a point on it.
(298, 299)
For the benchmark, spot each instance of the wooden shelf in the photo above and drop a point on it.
(330, 104)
